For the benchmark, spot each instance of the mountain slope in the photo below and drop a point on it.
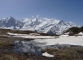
(61, 27)
(10, 23)
(45, 25)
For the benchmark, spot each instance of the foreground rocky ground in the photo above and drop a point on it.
(51, 45)
(74, 53)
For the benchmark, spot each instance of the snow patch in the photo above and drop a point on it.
(81, 33)
(30, 36)
(72, 40)
(47, 55)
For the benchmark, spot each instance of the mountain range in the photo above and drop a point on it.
(42, 25)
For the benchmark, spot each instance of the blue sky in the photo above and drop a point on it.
(67, 10)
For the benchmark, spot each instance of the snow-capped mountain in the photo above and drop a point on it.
(45, 25)
(10, 23)
(61, 27)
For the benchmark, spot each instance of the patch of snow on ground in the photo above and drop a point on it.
(36, 37)
(35, 46)
(47, 55)
(64, 35)
(30, 36)
(81, 33)
(15, 34)
(72, 40)
(51, 40)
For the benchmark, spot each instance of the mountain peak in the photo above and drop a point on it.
(10, 17)
(61, 22)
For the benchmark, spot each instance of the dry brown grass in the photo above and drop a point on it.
(15, 56)
(2, 36)
(72, 53)
(4, 32)
(67, 53)
(9, 57)
(21, 31)
(5, 44)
